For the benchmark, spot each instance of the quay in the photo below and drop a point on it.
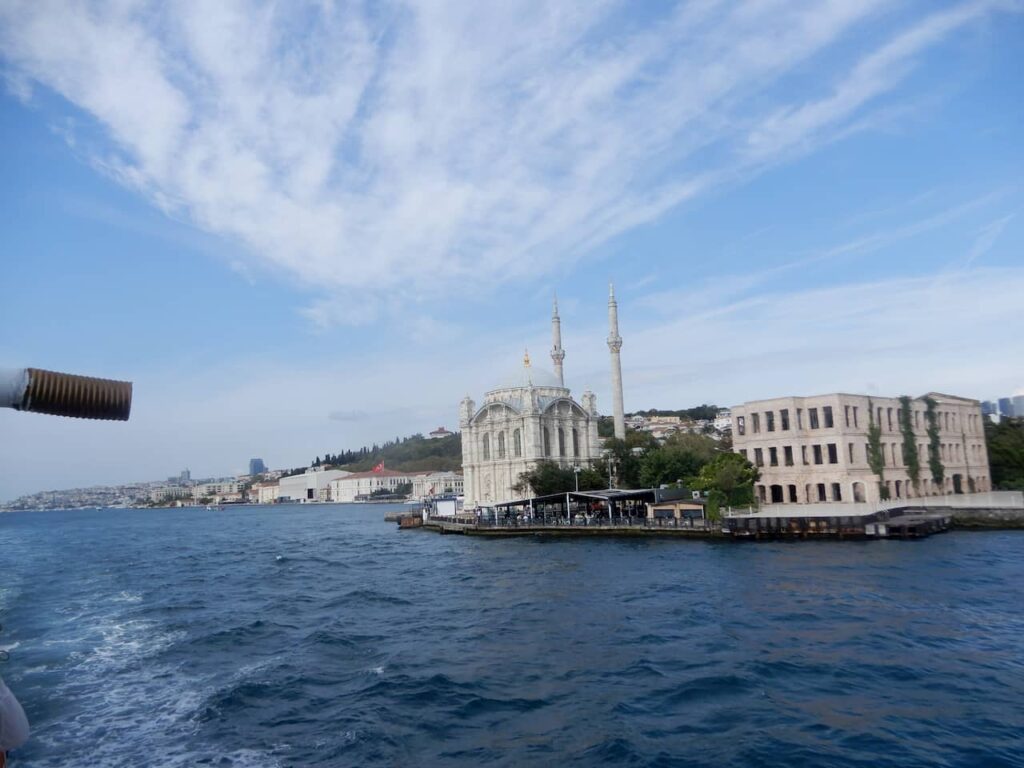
(674, 514)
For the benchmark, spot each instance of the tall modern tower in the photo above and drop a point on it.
(557, 353)
(614, 345)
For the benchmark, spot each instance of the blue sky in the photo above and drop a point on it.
(301, 228)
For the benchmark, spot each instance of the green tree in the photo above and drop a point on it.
(1006, 453)
(682, 456)
(548, 477)
(728, 479)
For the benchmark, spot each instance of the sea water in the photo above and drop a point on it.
(321, 635)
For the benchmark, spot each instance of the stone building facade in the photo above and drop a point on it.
(815, 449)
(520, 423)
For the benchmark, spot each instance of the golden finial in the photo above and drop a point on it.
(526, 358)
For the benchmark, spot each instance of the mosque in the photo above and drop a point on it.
(533, 418)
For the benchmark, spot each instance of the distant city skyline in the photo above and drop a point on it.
(300, 230)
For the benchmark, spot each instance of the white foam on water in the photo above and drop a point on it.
(128, 597)
(124, 707)
(377, 670)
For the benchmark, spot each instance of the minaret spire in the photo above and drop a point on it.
(614, 345)
(557, 353)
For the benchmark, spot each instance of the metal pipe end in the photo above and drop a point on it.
(82, 397)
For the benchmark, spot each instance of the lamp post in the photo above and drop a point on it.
(576, 468)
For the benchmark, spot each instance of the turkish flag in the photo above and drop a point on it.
(379, 467)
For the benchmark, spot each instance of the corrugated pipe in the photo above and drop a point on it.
(65, 394)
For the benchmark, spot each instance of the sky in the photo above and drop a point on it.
(305, 227)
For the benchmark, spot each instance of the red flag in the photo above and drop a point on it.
(379, 467)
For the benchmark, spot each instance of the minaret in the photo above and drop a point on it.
(557, 353)
(614, 345)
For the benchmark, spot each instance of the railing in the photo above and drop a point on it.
(990, 499)
(617, 523)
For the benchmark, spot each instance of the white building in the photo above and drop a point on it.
(527, 419)
(216, 490)
(426, 484)
(311, 486)
(358, 486)
(264, 493)
(723, 420)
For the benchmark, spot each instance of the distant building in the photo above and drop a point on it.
(425, 484)
(723, 420)
(311, 486)
(1006, 409)
(814, 449)
(439, 433)
(264, 493)
(1018, 406)
(357, 486)
(257, 467)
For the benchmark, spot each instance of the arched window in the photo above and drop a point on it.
(547, 442)
(575, 442)
(487, 447)
(501, 445)
(517, 443)
(561, 442)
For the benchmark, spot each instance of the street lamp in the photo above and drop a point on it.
(576, 468)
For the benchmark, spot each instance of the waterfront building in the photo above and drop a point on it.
(264, 493)
(257, 467)
(311, 485)
(358, 486)
(425, 484)
(216, 490)
(815, 449)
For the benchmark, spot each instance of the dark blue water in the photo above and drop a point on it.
(320, 635)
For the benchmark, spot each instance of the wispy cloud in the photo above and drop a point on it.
(373, 148)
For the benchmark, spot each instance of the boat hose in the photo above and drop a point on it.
(65, 394)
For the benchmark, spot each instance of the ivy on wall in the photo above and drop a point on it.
(934, 447)
(910, 457)
(876, 459)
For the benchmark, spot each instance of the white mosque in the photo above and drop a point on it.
(533, 418)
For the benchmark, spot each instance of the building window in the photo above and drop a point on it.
(769, 421)
(487, 447)
(741, 425)
(773, 457)
(817, 454)
(855, 424)
(792, 494)
(755, 423)
(827, 412)
(846, 416)
(799, 418)
(888, 414)
(575, 442)
(787, 454)
(837, 493)
(501, 445)
(833, 454)
(758, 457)
(812, 414)
(743, 453)
(784, 418)
(803, 454)
(852, 460)
(821, 492)
(561, 442)
(517, 443)
(547, 442)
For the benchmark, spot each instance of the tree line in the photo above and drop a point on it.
(696, 462)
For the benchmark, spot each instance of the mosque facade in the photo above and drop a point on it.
(530, 418)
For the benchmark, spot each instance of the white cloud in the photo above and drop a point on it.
(368, 149)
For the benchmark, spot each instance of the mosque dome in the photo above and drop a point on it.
(528, 377)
